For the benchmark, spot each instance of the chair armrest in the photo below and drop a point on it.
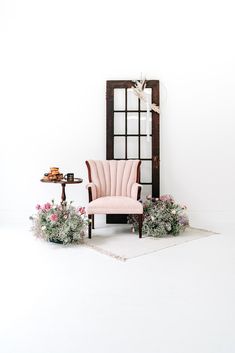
(136, 191)
(91, 191)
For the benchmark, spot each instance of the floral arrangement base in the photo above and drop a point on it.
(56, 241)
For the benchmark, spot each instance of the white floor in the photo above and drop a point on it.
(67, 300)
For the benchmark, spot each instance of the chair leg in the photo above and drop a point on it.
(89, 225)
(140, 225)
(93, 221)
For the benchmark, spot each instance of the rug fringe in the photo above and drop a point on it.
(105, 252)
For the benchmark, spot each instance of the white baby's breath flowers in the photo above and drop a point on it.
(173, 211)
(43, 227)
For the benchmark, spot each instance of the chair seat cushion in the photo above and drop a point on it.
(115, 205)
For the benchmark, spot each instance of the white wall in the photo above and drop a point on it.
(55, 59)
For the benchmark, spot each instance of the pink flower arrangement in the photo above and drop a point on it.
(162, 216)
(60, 223)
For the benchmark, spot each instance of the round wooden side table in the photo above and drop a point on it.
(63, 183)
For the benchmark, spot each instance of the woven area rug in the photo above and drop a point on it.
(118, 241)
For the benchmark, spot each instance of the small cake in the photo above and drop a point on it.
(54, 175)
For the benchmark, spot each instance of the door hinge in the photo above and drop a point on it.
(156, 162)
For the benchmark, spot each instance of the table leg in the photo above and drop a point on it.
(63, 195)
(93, 221)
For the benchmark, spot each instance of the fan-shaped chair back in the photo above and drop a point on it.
(113, 177)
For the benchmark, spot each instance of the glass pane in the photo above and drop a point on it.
(132, 123)
(148, 94)
(119, 98)
(119, 147)
(132, 147)
(143, 117)
(146, 191)
(145, 147)
(119, 123)
(146, 172)
(132, 100)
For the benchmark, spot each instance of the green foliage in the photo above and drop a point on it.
(162, 216)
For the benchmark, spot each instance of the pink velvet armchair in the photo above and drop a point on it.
(114, 189)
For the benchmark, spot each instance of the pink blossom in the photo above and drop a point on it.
(54, 217)
(166, 198)
(38, 207)
(81, 210)
(47, 206)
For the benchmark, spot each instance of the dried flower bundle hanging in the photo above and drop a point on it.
(138, 89)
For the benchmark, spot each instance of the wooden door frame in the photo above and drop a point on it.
(154, 85)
